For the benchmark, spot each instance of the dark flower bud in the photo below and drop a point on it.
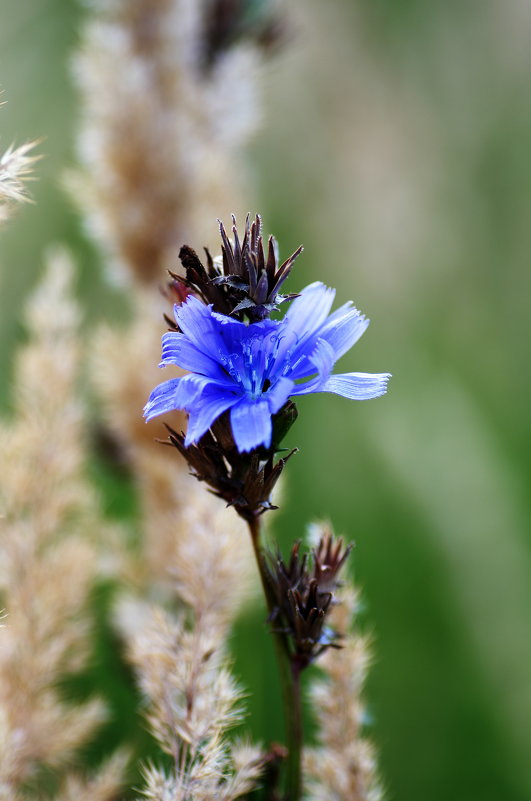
(248, 283)
(302, 594)
(328, 558)
(244, 480)
(246, 270)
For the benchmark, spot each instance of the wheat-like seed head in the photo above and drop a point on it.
(342, 766)
(47, 548)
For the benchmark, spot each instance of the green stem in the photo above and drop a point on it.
(295, 737)
(289, 678)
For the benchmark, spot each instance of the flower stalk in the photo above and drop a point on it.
(244, 369)
(289, 672)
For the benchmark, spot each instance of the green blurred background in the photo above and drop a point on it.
(396, 147)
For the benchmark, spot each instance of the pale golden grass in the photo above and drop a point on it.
(16, 165)
(104, 785)
(124, 370)
(193, 702)
(213, 565)
(182, 663)
(160, 133)
(342, 766)
(49, 516)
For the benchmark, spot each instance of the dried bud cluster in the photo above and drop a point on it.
(228, 21)
(246, 283)
(243, 480)
(302, 592)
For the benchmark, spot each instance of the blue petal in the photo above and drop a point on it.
(322, 359)
(211, 404)
(196, 321)
(301, 326)
(190, 389)
(251, 424)
(343, 329)
(233, 333)
(178, 349)
(177, 393)
(218, 337)
(309, 311)
(161, 399)
(357, 386)
(278, 394)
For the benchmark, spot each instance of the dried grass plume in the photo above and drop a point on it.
(161, 130)
(342, 766)
(48, 557)
(16, 167)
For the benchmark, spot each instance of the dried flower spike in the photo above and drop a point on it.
(246, 282)
(328, 558)
(302, 594)
(246, 269)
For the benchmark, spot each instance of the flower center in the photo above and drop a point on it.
(253, 364)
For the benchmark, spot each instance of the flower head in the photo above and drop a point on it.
(252, 370)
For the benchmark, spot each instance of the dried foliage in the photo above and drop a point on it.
(49, 515)
(342, 767)
(123, 369)
(104, 785)
(244, 481)
(16, 166)
(160, 130)
(193, 701)
(182, 661)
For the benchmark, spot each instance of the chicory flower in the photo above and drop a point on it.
(254, 369)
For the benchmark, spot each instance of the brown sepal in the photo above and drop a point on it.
(247, 284)
(303, 594)
(243, 480)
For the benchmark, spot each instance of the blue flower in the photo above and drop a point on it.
(253, 369)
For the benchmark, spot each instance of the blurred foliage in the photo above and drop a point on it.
(396, 148)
